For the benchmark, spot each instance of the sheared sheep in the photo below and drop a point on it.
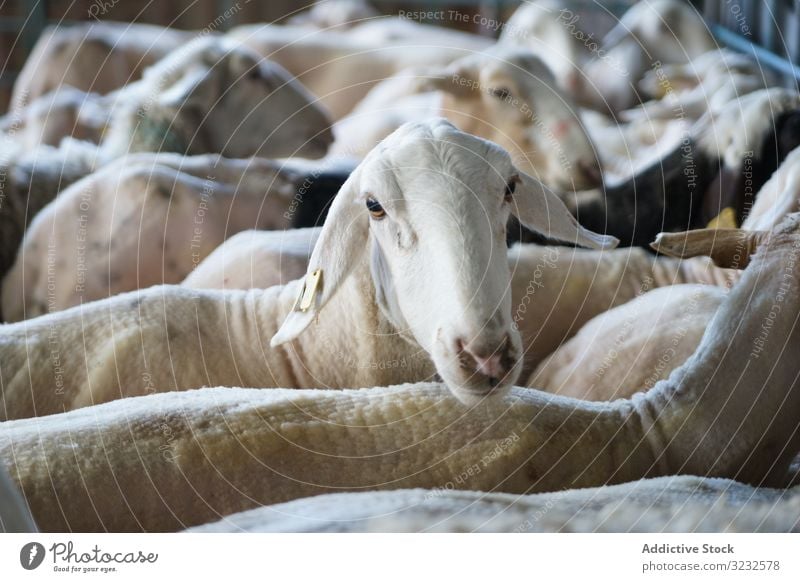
(550, 30)
(555, 290)
(341, 70)
(255, 259)
(197, 100)
(506, 95)
(634, 357)
(429, 202)
(335, 14)
(145, 220)
(682, 504)
(67, 112)
(96, 57)
(728, 412)
(649, 33)
(715, 172)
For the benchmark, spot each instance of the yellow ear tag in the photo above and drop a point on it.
(309, 290)
(725, 219)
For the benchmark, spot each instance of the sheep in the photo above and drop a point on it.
(716, 170)
(779, 194)
(547, 28)
(676, 78)
(630, 147)
(145, 220)
(67, 112)
(614, 355)
(340, 70)
(254, 259)
(714, 93)
(390, 206)
(649, 34)
(279, 445)
(682, 504)
(506, 95)
(637, 357)
(195, 101)
(555, 290)
(398, 29)
(335, 14)
(92, 57)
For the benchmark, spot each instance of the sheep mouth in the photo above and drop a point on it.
(477, 384)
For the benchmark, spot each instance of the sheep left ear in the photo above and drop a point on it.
(341, 244)
(536, 207)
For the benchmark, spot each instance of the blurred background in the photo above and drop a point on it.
(769, 27)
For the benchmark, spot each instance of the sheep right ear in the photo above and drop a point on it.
(341, 244)
(539, 209)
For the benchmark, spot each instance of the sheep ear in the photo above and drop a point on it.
(188, 90)
(458, 81)
(729, 248)
(541, 210)
(341, 244)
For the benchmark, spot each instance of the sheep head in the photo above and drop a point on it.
(239, 104)
(430, 205)
(509, 96)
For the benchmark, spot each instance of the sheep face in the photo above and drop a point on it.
(510, 97)
(245, 106)
(430, 205)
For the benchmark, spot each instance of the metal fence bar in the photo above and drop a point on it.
(741, 44)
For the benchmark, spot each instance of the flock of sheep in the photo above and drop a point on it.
(338, 255)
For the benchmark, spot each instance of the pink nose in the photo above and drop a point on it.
(495, 364)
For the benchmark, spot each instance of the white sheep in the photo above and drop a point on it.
(675, 78)
(144, 220)
(425, 201)
(633, 357)
(209, 96)
(67, 112)
(727, 412)
(555, 290)
(96, 57)
(329, 14)
(779, 196)
(341, 70)
(547, 28)
(713, 173)
(506, 95)
(614, 355)
(649, 34)
(255, 259)
(680, 504)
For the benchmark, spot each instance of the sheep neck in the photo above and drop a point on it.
(351, 343)
(738, 390)
(152, 130)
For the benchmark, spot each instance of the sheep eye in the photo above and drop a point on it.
(500, 93)
(254, 74)
(375, 208)
(511, 186)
